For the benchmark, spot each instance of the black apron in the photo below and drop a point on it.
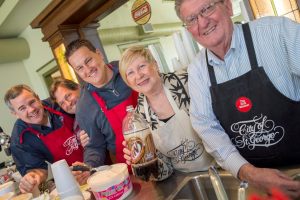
(262, 123)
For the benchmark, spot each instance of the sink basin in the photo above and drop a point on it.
(199, 186)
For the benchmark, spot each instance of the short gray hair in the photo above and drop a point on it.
(14, 92)
(177, 8)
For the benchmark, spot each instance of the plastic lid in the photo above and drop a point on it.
(108, 177)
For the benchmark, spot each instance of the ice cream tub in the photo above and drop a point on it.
(112, 183)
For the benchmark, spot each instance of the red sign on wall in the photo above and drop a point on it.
(141, 12)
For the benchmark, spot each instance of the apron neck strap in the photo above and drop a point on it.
(110, 66)
(53, 111)
(146, 109)
(171, 101)
(249, 45)
(100, 101)
(211, 71)
(250, 50)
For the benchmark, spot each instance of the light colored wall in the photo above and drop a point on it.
(122, 18)
(113, 53)
(10, 74)
(23, 73)
(40, 54)
(161, 13)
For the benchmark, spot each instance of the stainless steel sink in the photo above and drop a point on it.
(200, 187)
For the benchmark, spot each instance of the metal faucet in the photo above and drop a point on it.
(242, 190)
(217, 183)
(219, 188)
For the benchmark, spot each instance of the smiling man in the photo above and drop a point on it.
(244, 87)
(65, 93)
(102, 102)
(41, 133)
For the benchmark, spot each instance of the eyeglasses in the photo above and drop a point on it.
(206, 11)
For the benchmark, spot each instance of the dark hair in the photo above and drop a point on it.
(75, 45)
(61, 82)
(14, 92)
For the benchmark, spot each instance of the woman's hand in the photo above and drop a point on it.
(126, 153)
(84, 138)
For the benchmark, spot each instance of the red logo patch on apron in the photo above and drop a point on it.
(243, 104)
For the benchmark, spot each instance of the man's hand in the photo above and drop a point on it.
(32, 179)
(264, 179)
(126, 153)
(81, 176)
(84, 138)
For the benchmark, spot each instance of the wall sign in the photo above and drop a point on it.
(141, 12)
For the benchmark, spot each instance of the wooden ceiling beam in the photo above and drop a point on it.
(73, 14)
(103, 11)
(52, 19)
(45, 13)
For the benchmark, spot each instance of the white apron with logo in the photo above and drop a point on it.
(178, 140)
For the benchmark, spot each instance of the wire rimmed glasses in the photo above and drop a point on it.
(206, 11)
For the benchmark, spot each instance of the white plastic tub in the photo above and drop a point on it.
(112, 184)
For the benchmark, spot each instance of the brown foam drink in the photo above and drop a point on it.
(137, 134)
(23, 197)
(7, 196)
(143, 153)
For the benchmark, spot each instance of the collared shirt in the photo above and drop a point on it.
(32, 153)
(277, 47)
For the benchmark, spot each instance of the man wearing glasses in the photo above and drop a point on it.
(245, 91)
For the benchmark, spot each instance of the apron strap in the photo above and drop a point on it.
(110, 66)
(211, 71)
(250, 50)
(171, 100)
(100, 101)
(38, 134)
(249, 45)
(146, 110)
(53, 111)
